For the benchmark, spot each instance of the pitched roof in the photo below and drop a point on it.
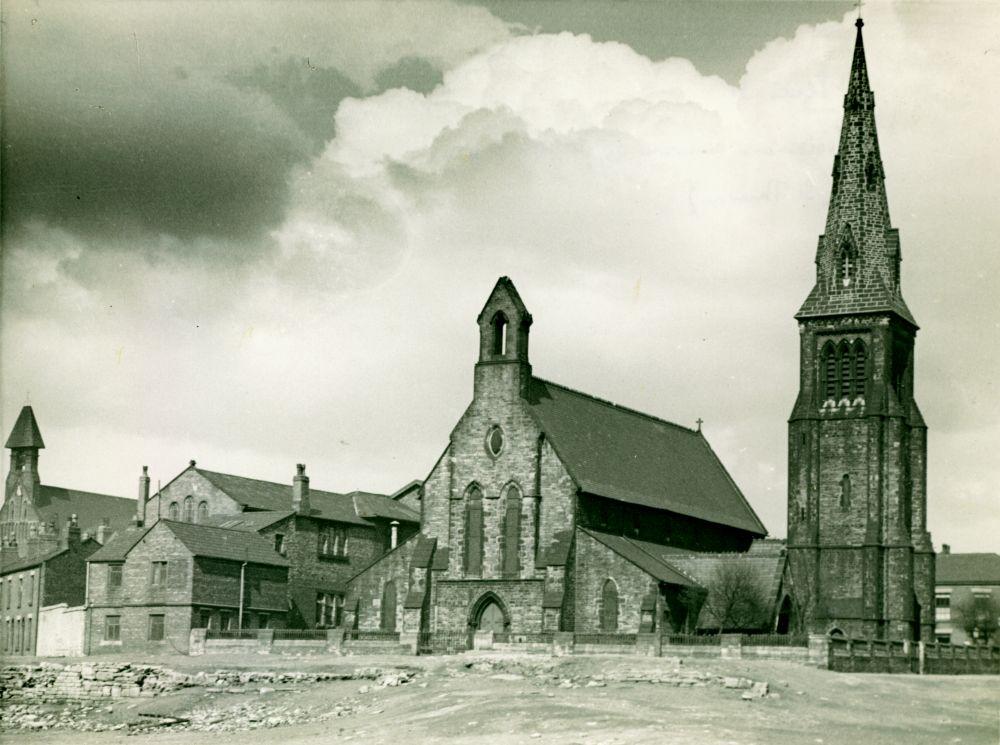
(968, 569)
(17, 563)
(644, 555)
(56, 504)
(367, 504)
(622, 454)
(25, 433)
(252, 521)
(767, 566)
(120, 544)
(404, 490)
(219, 543)
(268, 495)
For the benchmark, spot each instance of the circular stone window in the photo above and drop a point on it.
(494, 441)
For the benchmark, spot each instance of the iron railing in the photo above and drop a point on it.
(230, 633)
(700, 640)
(774, 640)
(604, 638)
(360, 635)
(299, 634)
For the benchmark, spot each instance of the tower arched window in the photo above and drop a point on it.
(473, 558)
(828, 369)
(609, 606)
(189, 509)
(845, 491)
(847, 265)
(202, 511)
(860, 367)
(499, 334)
(845, 362)
(173, 511)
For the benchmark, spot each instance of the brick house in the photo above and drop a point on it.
(552, 510)
(960, 578)
(33, 514)
(326, 536)
(27, 585)
(148, 587)
(860, 558)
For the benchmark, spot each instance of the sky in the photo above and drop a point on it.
(259, 234)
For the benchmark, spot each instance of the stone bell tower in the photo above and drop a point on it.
(860, 557)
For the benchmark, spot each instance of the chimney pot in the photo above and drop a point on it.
(945, 548)
(140, 502)
(300, 490)
(192, 463)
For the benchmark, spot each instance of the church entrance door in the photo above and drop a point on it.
(490, 618)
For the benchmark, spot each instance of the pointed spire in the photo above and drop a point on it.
(857, 260)
(25, 433)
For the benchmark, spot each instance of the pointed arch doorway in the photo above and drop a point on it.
(488, 613)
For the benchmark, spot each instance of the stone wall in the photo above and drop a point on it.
(520, 599)
(594, 565)
(94, 680)
(60, 631)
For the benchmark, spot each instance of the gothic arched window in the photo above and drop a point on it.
(512, 532)
(173, 511)
(189, 509)
(499, 333)
(860, 367)
(202, 511)
(609, 606)
(474, 531)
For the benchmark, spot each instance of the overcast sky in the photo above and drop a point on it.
(259, 234)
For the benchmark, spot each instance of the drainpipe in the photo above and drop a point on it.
(239, 620)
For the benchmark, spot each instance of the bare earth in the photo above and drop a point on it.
(497, 698)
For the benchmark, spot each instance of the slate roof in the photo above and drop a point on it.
(219, 543)
(253, 521)
(56, 504)
(268, 495)
(17, 563)
(622, 454)
(370, 505)
(557, 553)
(968, 569)
(25, 433)
(120, 544)
(644, 555)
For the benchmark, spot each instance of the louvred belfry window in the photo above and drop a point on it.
(860, 367)
(846, 369)
(829, 370)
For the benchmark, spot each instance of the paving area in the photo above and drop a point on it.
(527, 698)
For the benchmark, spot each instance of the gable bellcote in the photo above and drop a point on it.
(858, 256)
(504, 325)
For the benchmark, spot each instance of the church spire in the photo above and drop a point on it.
(858, 257)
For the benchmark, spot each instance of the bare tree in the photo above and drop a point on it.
(979, 616)
(737, 598)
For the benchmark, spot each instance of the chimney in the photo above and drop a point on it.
(945, 548)
(140, 502)
(102, 531)
(72, 531)
(300, 490)
(393, 534)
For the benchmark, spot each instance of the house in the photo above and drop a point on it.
(149, 586)
(29, 586)
(550, 509)
(33, 513)
(326, 536)
(961, 578)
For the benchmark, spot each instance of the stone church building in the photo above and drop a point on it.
(553, 510)
(860, 558)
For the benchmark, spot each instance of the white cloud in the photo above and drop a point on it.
(660, 226)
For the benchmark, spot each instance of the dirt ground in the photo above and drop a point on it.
(529, 698)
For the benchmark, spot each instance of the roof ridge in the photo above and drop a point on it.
(312, 491)
(88, 493)
(212, 527)
(619, 407)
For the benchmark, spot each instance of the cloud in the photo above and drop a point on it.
(660, 225)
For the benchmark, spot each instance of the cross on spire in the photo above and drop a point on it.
(700, 421)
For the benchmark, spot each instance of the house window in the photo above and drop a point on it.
(31, 589)
(226, 621)
(112, 628)
(333, 543)
(173, 511)
(158, 575)
(114, 577)
(942, 638)
(279, 543)
(263, 620)
(156, 627)
(20, 591)
(942, 601)
(329, 608)
(202, 511)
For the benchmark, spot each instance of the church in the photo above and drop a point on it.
(553, 510)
